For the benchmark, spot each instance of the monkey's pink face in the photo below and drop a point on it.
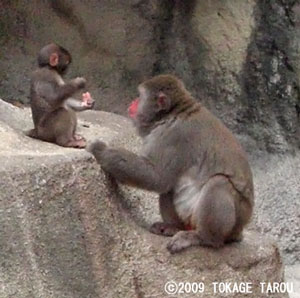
(132, 110)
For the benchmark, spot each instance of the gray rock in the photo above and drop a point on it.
(277, 202)
(67, 230)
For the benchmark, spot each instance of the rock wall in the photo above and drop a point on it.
(239, 57)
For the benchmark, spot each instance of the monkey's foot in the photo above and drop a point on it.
(165, 229)
(182, 240)
(78, 137)
(76, 143)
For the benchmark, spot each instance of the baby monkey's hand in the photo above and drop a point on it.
(87, 100)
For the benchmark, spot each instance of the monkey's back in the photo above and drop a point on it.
(42, 93)
(204, 147)
(221, 153)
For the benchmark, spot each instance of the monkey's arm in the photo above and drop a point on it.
(87, 102)
(55, 94)
(127, 167)
(64, 92)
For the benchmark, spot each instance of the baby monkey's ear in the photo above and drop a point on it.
(53, 59)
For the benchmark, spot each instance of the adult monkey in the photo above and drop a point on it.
(53, 109)
(192, 160)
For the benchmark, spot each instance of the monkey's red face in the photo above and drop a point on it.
(145, 107)
(132, 110)
(149, 107)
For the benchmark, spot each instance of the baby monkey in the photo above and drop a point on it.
(53, 108)
(191, 160)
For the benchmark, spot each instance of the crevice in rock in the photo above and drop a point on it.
(66, 12)
(137, 287)
(269, 78)
(161, 32)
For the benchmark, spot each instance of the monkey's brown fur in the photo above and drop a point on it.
(52, 108)
(192, 160)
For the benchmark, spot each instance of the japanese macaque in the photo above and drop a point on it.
(53, 108)
(191, 160)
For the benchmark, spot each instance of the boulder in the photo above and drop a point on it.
(68, 230)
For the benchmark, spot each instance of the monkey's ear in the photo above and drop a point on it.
(53, 60)
(163, 101)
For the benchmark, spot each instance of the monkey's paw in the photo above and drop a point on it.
(78, 137)
(182, 240)
(165, 229)
(87, 100)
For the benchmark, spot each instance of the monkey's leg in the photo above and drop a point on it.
(244, 212)
(63, 125)
(214, 216)
(76, 136)
(171, 223)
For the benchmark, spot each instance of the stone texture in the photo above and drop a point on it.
(292, 275)
(67, 230)
(277, 203)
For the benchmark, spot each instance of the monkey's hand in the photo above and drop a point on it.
(97, 148)
(87, 101)
(79, 82)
